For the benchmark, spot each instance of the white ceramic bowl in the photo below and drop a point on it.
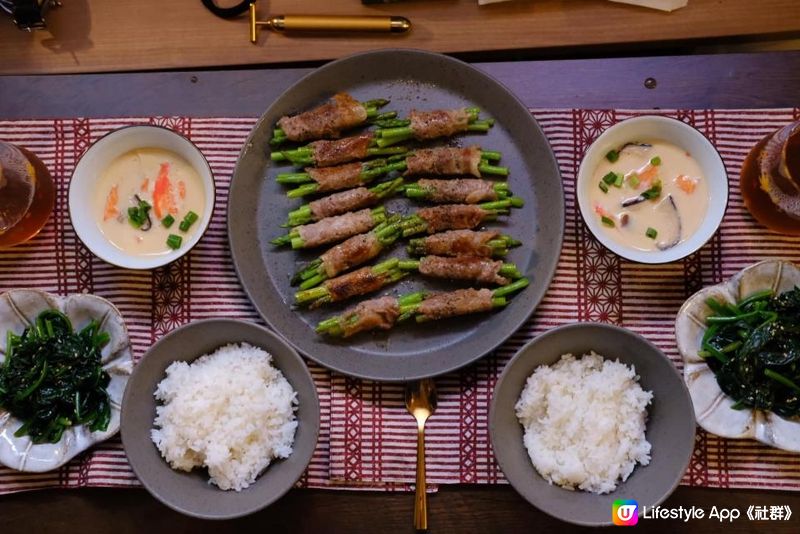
(672, 131)
(95, 161)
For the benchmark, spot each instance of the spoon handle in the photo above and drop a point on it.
(421, 497)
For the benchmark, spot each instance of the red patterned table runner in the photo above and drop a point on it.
(367, 439)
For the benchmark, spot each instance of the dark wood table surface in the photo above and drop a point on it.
(722, 81)
(128, 35)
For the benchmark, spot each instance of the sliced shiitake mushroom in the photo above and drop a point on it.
(670, 227)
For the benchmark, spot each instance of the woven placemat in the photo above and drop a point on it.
(367, 439)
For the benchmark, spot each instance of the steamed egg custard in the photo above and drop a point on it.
(148, 202)
(649, 195)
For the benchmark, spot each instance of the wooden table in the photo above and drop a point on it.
(697, 81)
(125, 35)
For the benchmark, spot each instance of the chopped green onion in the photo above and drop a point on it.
(656, 161)
(612, 156)
(603, 186)
(618, 178)
(191, 217)
(651, 233)
(633, 180)
(608, 221)
(610, 178)
(168, 221)
(188, 221)
(174, 241)
(653, 192)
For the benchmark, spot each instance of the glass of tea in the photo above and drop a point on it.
(770, 180)
(27, 195)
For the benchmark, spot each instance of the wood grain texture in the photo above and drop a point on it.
(716, 81)
(123, 35)
(452, 509)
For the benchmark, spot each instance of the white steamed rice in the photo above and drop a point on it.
(584, 422)
(230, 411)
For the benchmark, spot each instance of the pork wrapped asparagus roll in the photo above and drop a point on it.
(452, 217)
(328, 121)
(337, 178)
(480, 270)
(453, 161)
(343, 202)
(350, 253)
(484, 244)
(434, 124)
(327, 153)
(360, 282)
(465, 302)
(332, 229)
(385, 312)
(461, 191)
(375, 314)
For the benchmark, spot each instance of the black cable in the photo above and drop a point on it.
(227, 12)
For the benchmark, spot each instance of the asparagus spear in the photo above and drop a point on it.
(414, 224)
(304, 155)
(396, 131)
(485, 166)
(408, 305)
(378, 167)
(370, 170)
(499, 299)
(371, 106)
(314, 273)
(304, 214)
(317, 296)
(509, 270)
(336, 326)
(293, 237)
(499, 245)
(417, 192)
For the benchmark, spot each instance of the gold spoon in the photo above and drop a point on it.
(421, 403)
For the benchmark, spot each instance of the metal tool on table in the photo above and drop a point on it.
(328, 23)
(421, 403)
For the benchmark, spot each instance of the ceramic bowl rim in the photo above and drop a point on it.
(148, 263)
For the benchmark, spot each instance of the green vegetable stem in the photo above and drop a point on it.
(753, 348)
(53, 379)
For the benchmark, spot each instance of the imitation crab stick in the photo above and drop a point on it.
(112, 200)
(163, 200)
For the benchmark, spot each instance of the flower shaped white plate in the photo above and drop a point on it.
(712, 407)
(18, 310)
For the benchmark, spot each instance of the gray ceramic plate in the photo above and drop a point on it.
(258, 206)
(670, 424)
(190, 493)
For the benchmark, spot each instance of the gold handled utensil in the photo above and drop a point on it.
(327, 23)
(421, 403)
